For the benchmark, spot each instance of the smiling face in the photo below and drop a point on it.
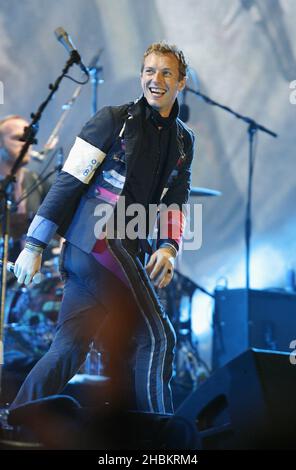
(161, 82)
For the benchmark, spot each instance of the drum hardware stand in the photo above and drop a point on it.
(187, 355)
(29, 138)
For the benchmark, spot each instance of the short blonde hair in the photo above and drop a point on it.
(164, 48)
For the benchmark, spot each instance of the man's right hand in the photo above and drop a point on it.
(27, 265)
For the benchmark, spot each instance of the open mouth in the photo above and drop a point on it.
(157, 92)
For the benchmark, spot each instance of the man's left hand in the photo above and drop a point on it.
(161, 267)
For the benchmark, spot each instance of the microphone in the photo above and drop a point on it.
(37, 278)
(66, 41)
(184, 108)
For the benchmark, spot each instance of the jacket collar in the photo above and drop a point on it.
(142, 104)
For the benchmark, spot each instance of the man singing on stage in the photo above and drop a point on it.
(142, 152)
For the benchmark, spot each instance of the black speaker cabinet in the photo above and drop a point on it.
(251, 319)
(247, 404)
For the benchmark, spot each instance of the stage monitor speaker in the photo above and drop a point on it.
(247, 404)
(255, 319)
(59, 422)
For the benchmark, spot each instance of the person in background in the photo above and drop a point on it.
(143, 152)
(24, 208)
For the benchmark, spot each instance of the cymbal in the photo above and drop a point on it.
(204, 192)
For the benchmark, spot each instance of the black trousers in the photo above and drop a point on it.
(126, 316)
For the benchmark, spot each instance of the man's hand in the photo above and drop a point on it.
(161, 267)
(27, 265)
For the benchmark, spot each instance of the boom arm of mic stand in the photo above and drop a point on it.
(69, 104)
(229, 110)
(29, 137)
(31, 130)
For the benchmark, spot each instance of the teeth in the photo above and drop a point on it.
(157, 91)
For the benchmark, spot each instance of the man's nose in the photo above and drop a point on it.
(158, 77)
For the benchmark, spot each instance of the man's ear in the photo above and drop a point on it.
(182, 84)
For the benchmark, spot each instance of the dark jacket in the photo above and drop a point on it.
(95, 172)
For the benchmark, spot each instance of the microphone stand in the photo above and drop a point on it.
(93, 71)
(253, 128)
(29, 138)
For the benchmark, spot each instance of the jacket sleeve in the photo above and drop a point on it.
(87, 153)
(172, 211)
